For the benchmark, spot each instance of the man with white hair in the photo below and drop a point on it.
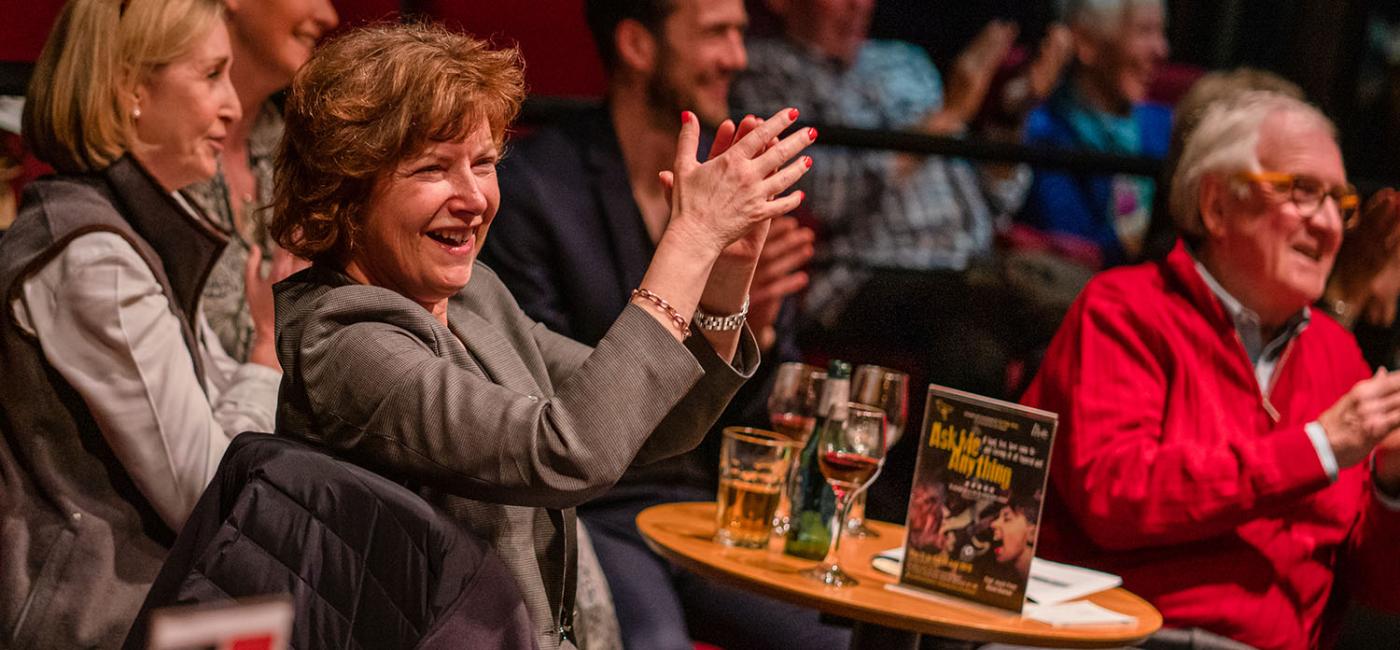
(1223, 447)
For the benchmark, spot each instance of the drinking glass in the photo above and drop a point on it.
(792, 408)
(888, 390)
(850, 453)
(752, 466)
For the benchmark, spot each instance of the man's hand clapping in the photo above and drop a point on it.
(1365, 417)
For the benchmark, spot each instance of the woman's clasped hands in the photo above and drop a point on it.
(716, 203)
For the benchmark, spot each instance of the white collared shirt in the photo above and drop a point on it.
(104, 323)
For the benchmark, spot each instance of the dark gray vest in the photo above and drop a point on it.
(81, 545)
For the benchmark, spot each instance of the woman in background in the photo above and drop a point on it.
(1102, 106)
(270, 40)
(1365, 283)
(118, 399)
(1364, 286)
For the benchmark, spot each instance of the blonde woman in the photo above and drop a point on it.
(118, 400)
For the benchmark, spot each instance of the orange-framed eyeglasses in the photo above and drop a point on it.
(1307, 193)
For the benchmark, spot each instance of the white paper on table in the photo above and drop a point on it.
(1050, 583)
(890, 561)
(1053, 583)
(1080, 612)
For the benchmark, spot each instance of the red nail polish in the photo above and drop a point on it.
(807, 160)
(812, 133)
(685, 117)
(792, 114)
(801, 196)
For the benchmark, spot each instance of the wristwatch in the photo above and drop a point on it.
(713, 323)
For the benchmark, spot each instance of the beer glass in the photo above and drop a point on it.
(753, 464)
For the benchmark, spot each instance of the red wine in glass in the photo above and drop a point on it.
(847, 471)
(795, 426)
(850, 451)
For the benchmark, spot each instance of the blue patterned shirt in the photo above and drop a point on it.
(939, 217)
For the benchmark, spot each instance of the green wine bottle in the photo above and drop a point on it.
(813, 502)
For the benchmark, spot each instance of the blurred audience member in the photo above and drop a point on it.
(1364, 288)
(1222, 447)
(118, 400)
(1212, 87)
(882, 211)
(1102, 106)
(582, 211)
(905, 257)
(406, 355)
(10, 169)
(11, 158)
(271, 39)
(1366, 281)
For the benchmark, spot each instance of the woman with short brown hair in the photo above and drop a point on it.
(350, 130)
(406, 355)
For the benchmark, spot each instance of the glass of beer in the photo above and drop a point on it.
(753, 464)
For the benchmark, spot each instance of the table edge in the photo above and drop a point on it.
(855, 612)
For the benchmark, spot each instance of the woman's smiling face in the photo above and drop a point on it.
(186, 107)
(427, 219)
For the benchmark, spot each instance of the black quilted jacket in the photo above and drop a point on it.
(368, 563)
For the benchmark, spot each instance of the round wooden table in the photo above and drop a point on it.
(682, 532)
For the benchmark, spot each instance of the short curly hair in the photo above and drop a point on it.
(366, 101)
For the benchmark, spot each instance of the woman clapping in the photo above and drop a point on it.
(410, 357)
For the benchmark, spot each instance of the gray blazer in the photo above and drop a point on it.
(502, 422)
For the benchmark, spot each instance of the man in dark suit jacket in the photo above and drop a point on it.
(581, 210)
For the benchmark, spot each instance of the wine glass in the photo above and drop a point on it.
(850, 453)
(792, 408)
(888, 390)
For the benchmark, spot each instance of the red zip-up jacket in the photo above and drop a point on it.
(1174, 470)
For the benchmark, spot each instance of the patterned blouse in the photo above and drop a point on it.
(224, 303)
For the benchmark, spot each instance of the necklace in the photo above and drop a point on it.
(1341, 310)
